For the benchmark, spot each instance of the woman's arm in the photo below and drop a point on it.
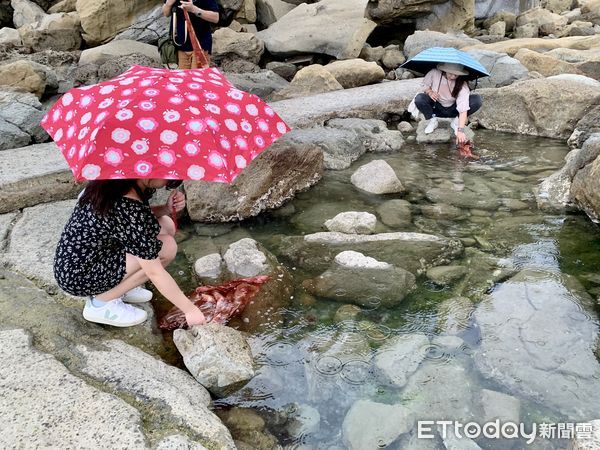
(176, 199)
(167, 286)
(204, 14)
(167, 6)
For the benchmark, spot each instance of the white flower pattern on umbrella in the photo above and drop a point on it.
(168, 137)
(114, 157)
(142, 168)
(91, 171)
(120, 135)
(196, 172)
(140, 146)
(171, 116)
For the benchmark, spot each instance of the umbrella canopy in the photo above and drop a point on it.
(428, 59)
(159, 123)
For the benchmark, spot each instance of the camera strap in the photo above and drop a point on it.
(198, 52)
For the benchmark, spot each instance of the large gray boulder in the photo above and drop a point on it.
(25, 112)
(503, 69)
(147, 27)
(421, 40)
(227, 43)
(270, 11)
(538, 107)
(548, 340)
(390, 11)
(340, 147)
(308, 81)
(60, 31)
(415, 252)
(274, 177)
(586, 182)
(263, 83)
(373, 133)
(333, 27)
(588, 125)
(25, 181)
(26, 12)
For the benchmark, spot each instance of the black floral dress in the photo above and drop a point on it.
(90, 256)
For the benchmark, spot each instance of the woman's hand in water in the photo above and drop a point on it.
(461, 137)
(195, 317)
(176, 200)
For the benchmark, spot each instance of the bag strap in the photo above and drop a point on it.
(198, 52)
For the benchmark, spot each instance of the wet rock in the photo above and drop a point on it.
(303, 420)
(454, 315)
(471, 195)
(274, 177)
(439, 391)
(354, 278)
(443, 133)
(340, 147)
(338, 363)
(209, 266)
(395, 213)
(547, 341)
(355, 72)
(352, 222)
(244, 259)
(377, 177)
(585, 183)
(399, 357)
(248, 429)
(497, 405)
(412, 251)
(128, 370)
(333, 27)
(445, 275)
(346, 312)
(442, 211)
(218, 357)
(75, 414)
(374, 425)
(373, 133)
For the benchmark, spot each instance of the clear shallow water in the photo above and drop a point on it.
(317, 366)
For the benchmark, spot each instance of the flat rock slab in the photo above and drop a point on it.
(366, 102)
(33, 240)
(535, 337)
(30, 412)
(32, 175)
(414, 252)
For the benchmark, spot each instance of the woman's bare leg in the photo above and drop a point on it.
(134, 275)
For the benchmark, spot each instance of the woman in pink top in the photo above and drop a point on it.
(446, 94)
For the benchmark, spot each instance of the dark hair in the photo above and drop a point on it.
(102, 194)
(458, 84)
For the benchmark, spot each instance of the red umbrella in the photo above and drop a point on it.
(159, 123)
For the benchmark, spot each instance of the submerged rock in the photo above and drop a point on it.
(414, 252)
(400, 357)
(352, 222)
(535, 336)
(377, 177)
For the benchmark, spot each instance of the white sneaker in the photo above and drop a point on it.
(115, 313)
(138, 295)
(432, 125)
(454, 124)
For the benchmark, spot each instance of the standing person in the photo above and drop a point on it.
(447, 94)
(202, 13)
(114, 242)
